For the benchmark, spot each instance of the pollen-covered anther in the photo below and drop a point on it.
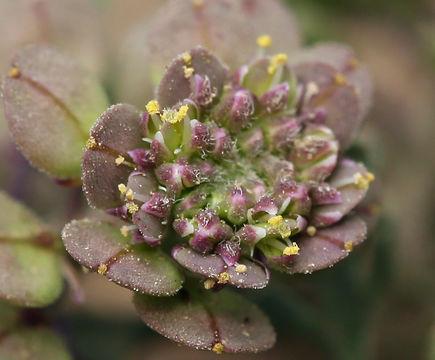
(275, 220)
(129, 195)
(187, 58)
(291, 250)
(241, 268)
(91, 143)
(277, 60)
(348, 246)
(124, 230)
(14, 72)
(122, 189)
(119, 160)
(153, 107)
(264, 41)
(223, 278)
(132, 207)
(362, 182)
(340, 79)
(218, 348)
(188, 72)
(311, 230)
(102, 269)
(209, 283)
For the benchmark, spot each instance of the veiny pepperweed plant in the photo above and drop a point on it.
(219, 179)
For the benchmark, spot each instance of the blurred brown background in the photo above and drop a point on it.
(380, 301)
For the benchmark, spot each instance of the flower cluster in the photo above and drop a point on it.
(237, 173)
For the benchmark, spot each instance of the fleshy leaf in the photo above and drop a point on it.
(50, 104)
(33, 343)
(221, 321)
(212, 266)
(101, 177)
(30, 275)
(175, 86)
(327, 246)
(30, 271)
(102, 247)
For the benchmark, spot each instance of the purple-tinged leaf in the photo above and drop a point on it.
(344, 179)
(142, 184)
(101, 177)
(327, 246)
(176, 86)
(229, 251)
(51, 103)
(222, 321)
(150, 227)
(248, 274)
(102, 247)
(119, 129)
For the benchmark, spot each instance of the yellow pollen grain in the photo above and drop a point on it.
(291, 250)
(14, 72)
(153, 107)
(187, 58)
(264, 41)
(311, 230)
(122, 189)
(124, 230)
(275, 220)
(218, 348)
(340, 79)
(188, 71)
(370, 177)
(209, 283)
(276, 61)
(119, 160)
(241, 268)
(129, 194)
(348, 246)
(360, 181)
(223, 278)
(91, 143)
(170, 116)
(132, 207)
(102, 269)
(182, 112)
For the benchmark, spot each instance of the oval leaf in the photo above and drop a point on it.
(102, 247)
(219, 321)
(327, 246)
(33, 344)
(50, 104)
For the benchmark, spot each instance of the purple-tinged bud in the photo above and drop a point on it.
(235, 112)
(275, 168)
(168, 175)
(316, 116)
(266, 205)
(275, 99)
(150, 227)
(201, 242)
(191, 175)
(239, 75)
(145, 158)
(192, 202)
(236, 205)
(324, 194)
(120, 212)
(159, 205)
(292, 197)
(137, 238)
(201, 138)
(282, 133)
(223, 144)
(203, 93)
(255, 189)
(301, 223)
(229, 251)
(252, 141)
(322, 219)
(183, 227)
(159, 148)
(250, 234)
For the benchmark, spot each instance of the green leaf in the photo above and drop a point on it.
(51, 103)
(30, 271)
(102, 247)
(221, 321)
(33, 344)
